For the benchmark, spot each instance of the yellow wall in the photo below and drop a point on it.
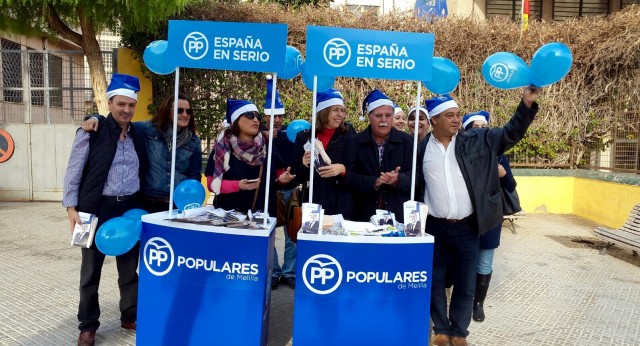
(128, 65)
(546, 194)
(603, 202)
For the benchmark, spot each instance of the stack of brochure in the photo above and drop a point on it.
(83, 232)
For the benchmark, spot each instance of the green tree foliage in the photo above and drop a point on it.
(78, 21)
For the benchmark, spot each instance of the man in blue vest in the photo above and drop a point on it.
(103, 178)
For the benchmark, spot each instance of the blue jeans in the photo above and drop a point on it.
(455, 251)
(288, 268)
(485, 261)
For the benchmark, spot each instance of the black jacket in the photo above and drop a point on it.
(332, 193)
(398, 152)
(102, 149)
(476, 152)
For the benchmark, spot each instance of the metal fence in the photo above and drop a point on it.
(45, 86)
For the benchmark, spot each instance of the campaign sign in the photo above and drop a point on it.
(365, 291)
(369, 53)
(256, 47)
(203, 285)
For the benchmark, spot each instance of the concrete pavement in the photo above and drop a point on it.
(550, 286)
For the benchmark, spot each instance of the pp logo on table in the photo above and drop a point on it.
(158, 256)
(322, 274)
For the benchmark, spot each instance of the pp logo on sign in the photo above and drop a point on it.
(196, 45)
(499, 72)
(337, 52)
(158, 256)
(322, 274)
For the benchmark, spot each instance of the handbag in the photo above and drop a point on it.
(294, 212)
(281, 210)
(510, 202)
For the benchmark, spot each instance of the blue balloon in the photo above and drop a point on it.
(324, 83)
(295, 127)
(550, 64)
(135, 213)
(118, 235)
(156, 58)
(506, 70)
(445, 76)
(189, 194)
(292, 63)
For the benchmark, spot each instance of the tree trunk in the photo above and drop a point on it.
(91, 50)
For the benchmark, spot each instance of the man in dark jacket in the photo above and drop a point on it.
(459, 183)
(381, 172)
(103, 178)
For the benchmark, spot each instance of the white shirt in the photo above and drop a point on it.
(445, 190)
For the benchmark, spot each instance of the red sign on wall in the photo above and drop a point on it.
(6, 146)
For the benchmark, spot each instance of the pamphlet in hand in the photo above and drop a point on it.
(311, 218)
(83, 232)
(321, 158)
(415, 218)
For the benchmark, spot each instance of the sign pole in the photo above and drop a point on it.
(313, 137)
(416, 119)
(173, 143)
(270, 150)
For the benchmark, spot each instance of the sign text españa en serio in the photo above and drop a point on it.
(388, 57)
(239, 49)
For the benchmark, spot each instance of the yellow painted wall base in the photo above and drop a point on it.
(603, 202)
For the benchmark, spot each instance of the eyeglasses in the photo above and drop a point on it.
(252, 115)
(188, 110)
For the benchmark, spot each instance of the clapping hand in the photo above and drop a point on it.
(389, 178)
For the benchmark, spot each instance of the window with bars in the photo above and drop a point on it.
(512, 9)
(37, 77)
(563, 9)
(11, 71)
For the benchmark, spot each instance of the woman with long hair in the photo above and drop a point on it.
(236, 170)
(330, 189)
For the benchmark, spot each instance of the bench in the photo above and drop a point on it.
(628, 236)
(512, 219)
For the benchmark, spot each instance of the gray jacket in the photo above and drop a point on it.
(476, 152)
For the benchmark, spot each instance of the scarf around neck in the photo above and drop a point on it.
(183, 137)
(252, 153)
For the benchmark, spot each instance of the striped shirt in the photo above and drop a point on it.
(123, 176)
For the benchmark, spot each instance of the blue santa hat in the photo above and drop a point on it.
(278, 107)
(439, 104)
(471, 117)
(396, 109)
(326, 99)
(235, 108)
(123, 85)
(375, 99)
(419, 109)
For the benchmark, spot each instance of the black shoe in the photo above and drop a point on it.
(291, 281)
(275, 281)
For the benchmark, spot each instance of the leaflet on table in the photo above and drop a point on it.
(312, 215)
(383, 217)
(321, 158)
(213, 216)
(415, 218)
(83, 232)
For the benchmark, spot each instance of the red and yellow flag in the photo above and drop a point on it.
(526, 10)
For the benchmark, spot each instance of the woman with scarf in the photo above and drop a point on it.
(158, 134)
(329, 184)
(236, 170)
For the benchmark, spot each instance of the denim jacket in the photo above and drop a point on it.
(158, 177)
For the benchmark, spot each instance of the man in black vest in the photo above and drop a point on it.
(103, 178)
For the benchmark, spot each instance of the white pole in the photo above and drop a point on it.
(173, 143)
(313, 138)
(416, 119)
(270, 150)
